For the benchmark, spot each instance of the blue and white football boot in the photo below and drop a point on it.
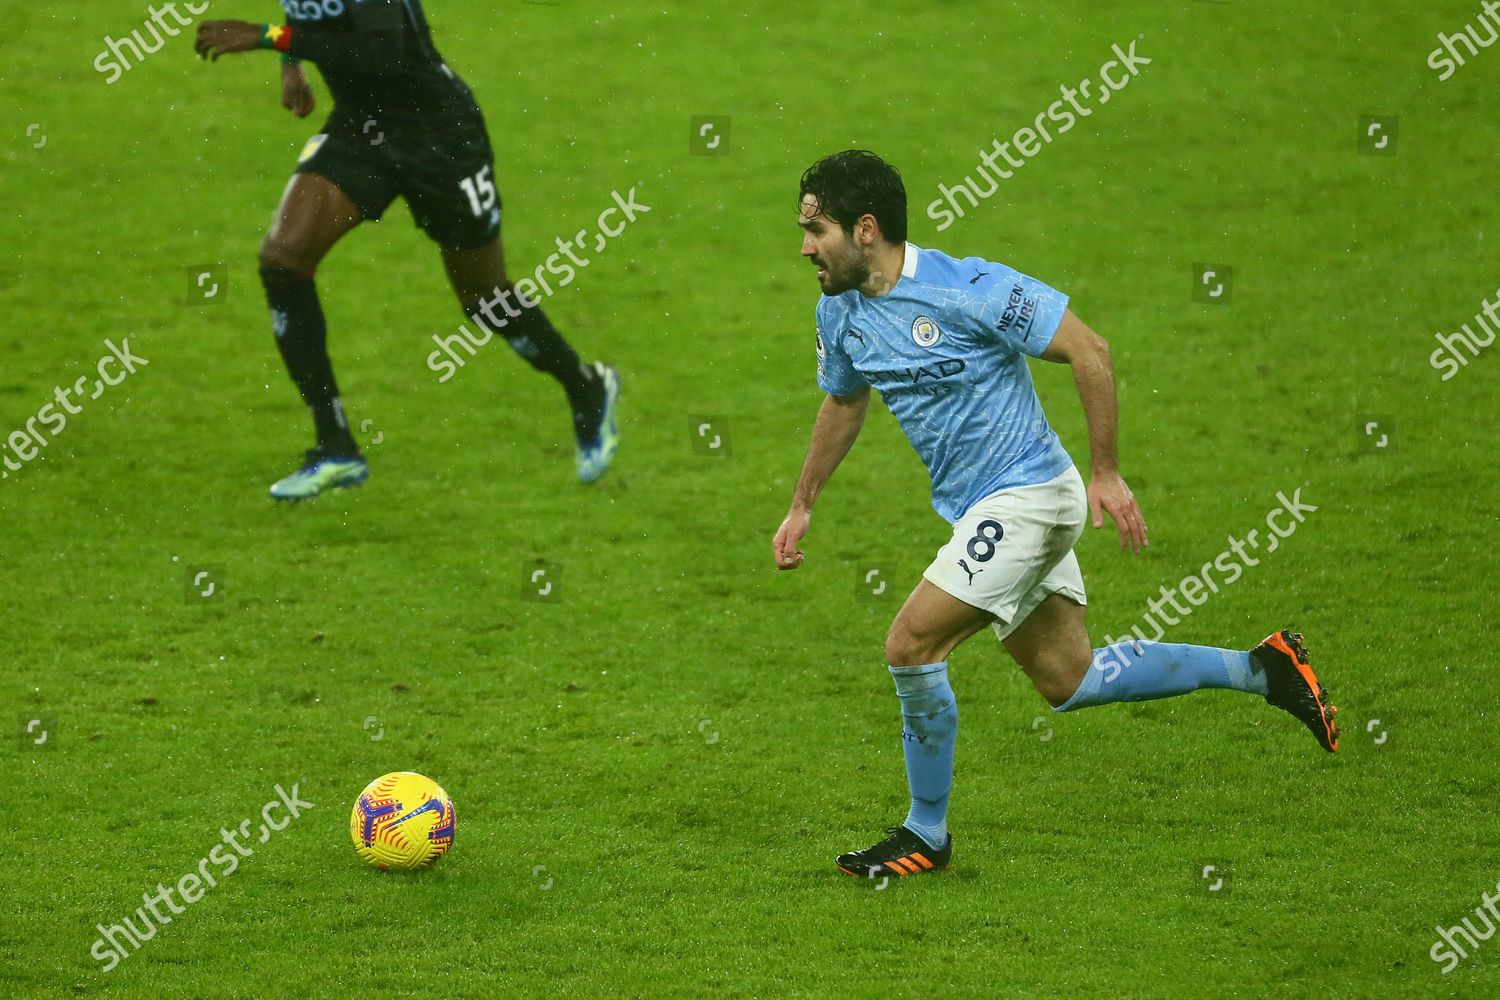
(321, 471)
(597, 450)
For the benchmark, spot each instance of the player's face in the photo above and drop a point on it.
(842, 264)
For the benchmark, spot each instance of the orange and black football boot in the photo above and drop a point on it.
(901, 853)
(1294, 687)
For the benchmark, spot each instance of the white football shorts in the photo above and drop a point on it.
(1013, 548)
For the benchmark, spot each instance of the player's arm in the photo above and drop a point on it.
(296, 95)
(838, 424)
(1079, 347)
(215, 38)
(376, 41)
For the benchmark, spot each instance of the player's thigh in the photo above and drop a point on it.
(313, 215)
(1052, 646)
(930, 625)
(447, 177)
(341, 179)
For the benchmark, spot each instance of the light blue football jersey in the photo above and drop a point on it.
(946, 348)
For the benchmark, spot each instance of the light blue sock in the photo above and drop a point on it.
(930, 729)
(1139, 671)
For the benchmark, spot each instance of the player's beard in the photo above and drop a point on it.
(849, 270)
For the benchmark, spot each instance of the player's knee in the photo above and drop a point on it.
(904, 649)
(280, 255)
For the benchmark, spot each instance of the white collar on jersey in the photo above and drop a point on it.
(909, 262)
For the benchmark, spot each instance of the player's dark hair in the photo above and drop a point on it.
(856, 183)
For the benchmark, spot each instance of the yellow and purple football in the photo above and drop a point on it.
(402, 821)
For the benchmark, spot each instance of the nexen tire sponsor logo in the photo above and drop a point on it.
(1018, 311)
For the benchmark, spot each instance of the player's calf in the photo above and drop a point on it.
(1140, 670)
(1057, 673)
(1277, 670)
(302, 338)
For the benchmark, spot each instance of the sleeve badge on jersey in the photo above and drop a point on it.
(822, 351)
(924, 330)
(313, 145)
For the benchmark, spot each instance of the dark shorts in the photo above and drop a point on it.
(444, 171)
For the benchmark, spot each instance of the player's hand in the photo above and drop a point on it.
(296, 95)
(217, 38)
(791, 532)
(1108, 492)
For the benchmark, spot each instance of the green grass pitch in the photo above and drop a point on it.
(653, 772)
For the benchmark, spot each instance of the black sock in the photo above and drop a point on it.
(532, 335)
(302, 338)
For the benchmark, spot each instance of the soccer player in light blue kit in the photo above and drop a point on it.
(945, 342)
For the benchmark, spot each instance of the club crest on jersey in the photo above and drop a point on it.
(924, 330)
(313, 145)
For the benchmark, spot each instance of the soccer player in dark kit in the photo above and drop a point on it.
(403, 125)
